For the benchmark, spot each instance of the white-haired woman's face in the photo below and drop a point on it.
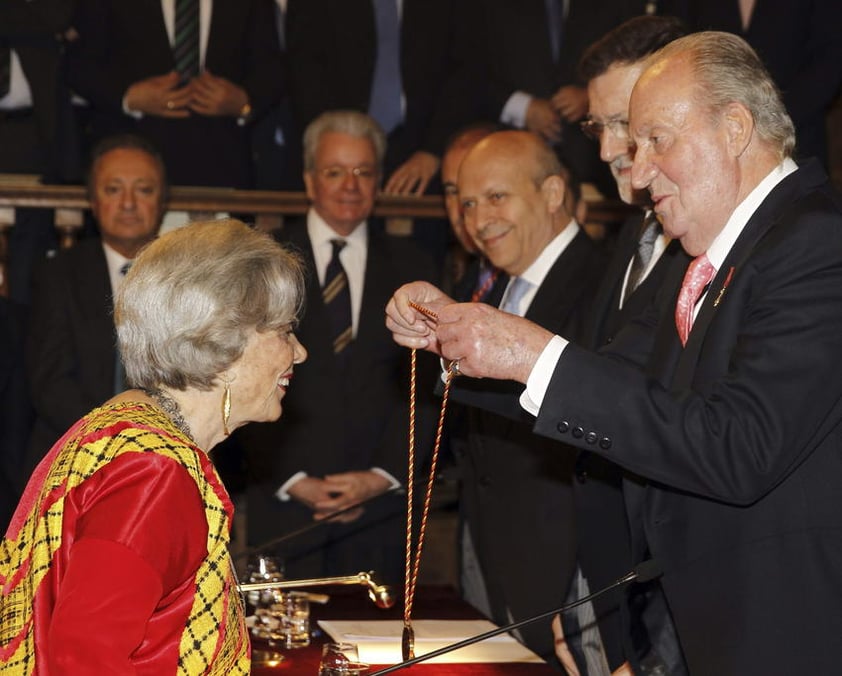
(260, 377)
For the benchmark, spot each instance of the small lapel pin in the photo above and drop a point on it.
(724, 286)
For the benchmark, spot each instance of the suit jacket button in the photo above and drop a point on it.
(591, 438)
(578, 432)
(563, 426)
(605, 443)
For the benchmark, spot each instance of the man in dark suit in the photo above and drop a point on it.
(799, 44)
(197, 108)
(531, 49)
(333, 50)
(727, 400)
(36, 124)
(72, 364)
(641, 257)
(513, 200)
(344, 435)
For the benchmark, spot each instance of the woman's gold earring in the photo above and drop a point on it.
(226, 408)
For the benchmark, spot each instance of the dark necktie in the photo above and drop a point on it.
(645, 247)
(555, 24)
(337, 299)
(5, 68)
(186, 43)
(485, 281)
(386, 86)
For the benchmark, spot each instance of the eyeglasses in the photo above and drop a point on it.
(337, 174)
(618, 128)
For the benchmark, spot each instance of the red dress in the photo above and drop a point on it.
(134, 504)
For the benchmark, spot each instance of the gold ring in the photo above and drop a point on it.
(170, 105)
(454, 367)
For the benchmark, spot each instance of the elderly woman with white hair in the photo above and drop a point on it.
(116, 560)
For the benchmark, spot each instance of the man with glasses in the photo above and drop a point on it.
(642, 255)
(343, 438)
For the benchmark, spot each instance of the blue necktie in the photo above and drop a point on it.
(518, 287)
(555, 25)
(386, 87)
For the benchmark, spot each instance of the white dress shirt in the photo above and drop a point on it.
(532, 397)
(353, 258)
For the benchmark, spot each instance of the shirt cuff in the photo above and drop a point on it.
(514, 112)
(136, 114)
(532, 398)
(283, 492)
(393, 482)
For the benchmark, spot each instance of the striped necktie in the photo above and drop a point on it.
(645, 248)
(337, 299)
(186, 42)
(5, 68)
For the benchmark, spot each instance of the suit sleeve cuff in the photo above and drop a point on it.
(532, 397)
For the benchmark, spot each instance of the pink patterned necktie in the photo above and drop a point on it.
(698, 275)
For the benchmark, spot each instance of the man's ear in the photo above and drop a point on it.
(553, 188)
(739, 125)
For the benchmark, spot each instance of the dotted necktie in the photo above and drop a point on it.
(698, 276)
(186, 42)
(337, 299)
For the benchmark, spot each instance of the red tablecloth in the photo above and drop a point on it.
(430, 603)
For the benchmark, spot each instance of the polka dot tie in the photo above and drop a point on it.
(697, 277)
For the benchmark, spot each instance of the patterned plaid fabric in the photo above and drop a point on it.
(215, 640)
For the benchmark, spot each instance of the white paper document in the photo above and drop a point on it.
(379, 641)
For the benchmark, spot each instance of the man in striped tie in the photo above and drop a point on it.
(343, 439)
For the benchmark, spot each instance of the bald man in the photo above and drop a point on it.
(512, 198)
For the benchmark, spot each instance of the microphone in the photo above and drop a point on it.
(642, 572)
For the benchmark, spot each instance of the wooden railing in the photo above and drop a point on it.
(266, 206)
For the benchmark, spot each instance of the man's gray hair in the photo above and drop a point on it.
(728, 70)
(351, 122)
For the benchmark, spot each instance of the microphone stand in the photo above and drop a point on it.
(643, 572)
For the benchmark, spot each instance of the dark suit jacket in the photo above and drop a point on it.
(71, 343)
(739, 437)
(336, 421)
(15, 409)
(603, 534)
(798, 41)
(516, 51)
(332, 48)
(516, 488)
(121, 42)
(34, 29)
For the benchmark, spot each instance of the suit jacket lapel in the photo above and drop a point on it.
(761, 222)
